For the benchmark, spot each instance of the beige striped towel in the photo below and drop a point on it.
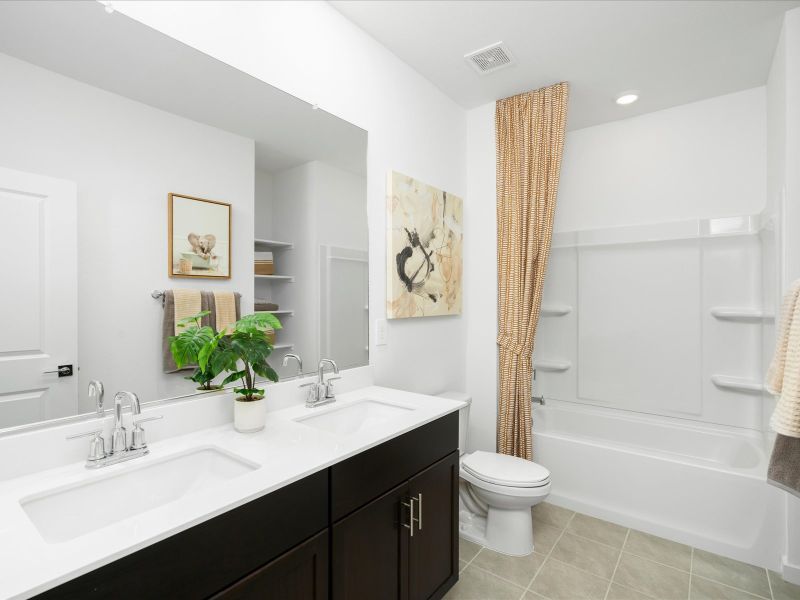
(187, 304)
(169, 328)
(783, 376)
(225, 310)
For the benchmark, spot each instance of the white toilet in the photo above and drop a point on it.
(496, 493)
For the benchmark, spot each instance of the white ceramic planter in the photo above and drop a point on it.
(249, 417)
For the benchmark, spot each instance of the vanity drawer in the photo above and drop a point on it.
(211, 556)
(360, 479)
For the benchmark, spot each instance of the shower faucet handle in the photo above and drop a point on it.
(538, 400)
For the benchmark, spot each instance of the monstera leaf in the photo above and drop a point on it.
(188, 344)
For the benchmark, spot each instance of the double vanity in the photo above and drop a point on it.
(355, 499)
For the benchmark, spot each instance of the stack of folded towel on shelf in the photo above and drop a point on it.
(264, 264)
(783, 380)
(262, 305)
(224, 310)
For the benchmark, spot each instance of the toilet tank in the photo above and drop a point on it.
(463, 417)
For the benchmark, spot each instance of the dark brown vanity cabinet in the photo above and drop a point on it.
(342, 533)
(300, 573)
(377, 554)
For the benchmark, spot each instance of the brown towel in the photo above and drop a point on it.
(169, 327)
(168, 324)
(784, 465)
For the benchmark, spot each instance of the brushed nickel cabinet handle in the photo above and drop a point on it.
(411, 519)
(419, 511)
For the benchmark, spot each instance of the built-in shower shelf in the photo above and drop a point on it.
(737, 384)
(555, 310)
(736, 313)
(552, 365)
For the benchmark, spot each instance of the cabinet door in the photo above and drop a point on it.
(370, 550)
(300, 574)
(433, 549)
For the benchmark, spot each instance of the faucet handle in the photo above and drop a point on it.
(75, 436)
(138, 439)
(97, 447)
(329, 393)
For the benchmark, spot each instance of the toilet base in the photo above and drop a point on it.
(504, 531)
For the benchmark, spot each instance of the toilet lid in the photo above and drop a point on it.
(502, 469)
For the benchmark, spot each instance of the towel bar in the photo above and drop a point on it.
(156, 294)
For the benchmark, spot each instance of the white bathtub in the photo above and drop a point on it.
(696, 484)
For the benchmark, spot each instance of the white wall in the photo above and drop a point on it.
(694, 161)
(263, 204)
(125, 157)
(705, 159)
(413, 128)
(480, 278)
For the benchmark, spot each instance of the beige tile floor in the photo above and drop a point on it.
(579, 557)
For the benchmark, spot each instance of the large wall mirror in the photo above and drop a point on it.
(102, 119)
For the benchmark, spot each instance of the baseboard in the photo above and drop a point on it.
(790, 572)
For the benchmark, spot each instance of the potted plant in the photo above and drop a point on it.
(186, 348)
(243, 354)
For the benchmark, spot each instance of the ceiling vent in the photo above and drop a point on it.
(490, 59)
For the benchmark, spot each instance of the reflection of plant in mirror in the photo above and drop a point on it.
(186, 348)
(247, 345)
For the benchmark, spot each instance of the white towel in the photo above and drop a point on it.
(783, 376)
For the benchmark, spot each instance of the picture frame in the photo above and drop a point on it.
(425, 242)
(199, 237)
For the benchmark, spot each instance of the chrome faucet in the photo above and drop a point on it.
(120, 450)
(119, 436)
(321, 391)
(297, 358)
(96, 393)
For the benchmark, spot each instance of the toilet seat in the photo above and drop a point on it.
(505, 471)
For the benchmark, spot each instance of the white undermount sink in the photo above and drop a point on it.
(69, 512)
(356, 417)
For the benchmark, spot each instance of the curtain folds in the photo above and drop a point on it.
(529, 133)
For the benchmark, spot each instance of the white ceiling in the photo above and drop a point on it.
(118, 54)
(674, 52)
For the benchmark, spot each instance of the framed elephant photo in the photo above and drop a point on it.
(199, 237)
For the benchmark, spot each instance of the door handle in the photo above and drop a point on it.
(419, 511)
(62, 370)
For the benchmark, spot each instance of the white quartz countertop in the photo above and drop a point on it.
(285, 451)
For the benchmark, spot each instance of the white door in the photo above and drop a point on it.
(38, 297)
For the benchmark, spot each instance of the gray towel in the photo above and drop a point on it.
(168, 324)
(784, 465)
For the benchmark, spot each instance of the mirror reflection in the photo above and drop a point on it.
(136, 190)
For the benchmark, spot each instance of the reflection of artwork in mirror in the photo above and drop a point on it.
(425, 249)
(199, 237)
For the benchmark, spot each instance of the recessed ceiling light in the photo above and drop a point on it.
(628, 97)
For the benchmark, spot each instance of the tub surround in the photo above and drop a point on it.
(286, 451)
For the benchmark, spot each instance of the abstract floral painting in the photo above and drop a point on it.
(425, 249)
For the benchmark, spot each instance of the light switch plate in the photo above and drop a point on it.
(381, 332)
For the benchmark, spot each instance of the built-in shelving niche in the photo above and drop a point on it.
(274, 246)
